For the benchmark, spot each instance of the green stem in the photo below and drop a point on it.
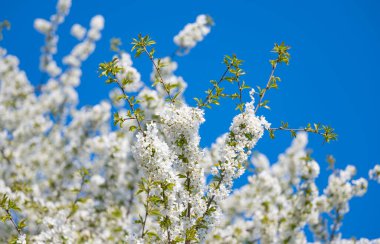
(262, 94)
(300, 129)
(131, 106)
(214, 87)
(12, 221)
(159, 74)
(146, 212)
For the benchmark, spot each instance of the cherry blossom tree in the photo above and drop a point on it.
(68, 176)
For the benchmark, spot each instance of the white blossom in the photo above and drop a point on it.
(374, 173)
(21, 239)
(78, 31)
(42, 25)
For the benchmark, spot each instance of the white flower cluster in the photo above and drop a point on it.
(49, 29)
(374, 173)
(46, 140)
(194, 32)
(83, 49)
(80, 51)
(282, 199)
(340, 188)
(180, 125)
(245, 131)
(154, 155)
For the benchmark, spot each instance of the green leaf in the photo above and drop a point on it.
(21, 224)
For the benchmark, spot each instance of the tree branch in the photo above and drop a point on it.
(262, 94)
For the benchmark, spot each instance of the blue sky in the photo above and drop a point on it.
(332, 77)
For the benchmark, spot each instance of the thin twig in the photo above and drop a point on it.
(130, 201)
(213, 196)
(13, 222)
(159, 74)
(295, 130)
(131, 106)
(82, 183)
(214, 87)
(266, 87)
(335, 227)
(146, 212)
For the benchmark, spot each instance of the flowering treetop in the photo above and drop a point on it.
(68, 177)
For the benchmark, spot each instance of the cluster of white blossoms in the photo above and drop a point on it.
(374, 173)
(83, 49)
(49, 29)
(154, 155)
(245, 131)
(282, 200)
(194, 32)
(70, 177)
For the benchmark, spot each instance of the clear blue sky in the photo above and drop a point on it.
(332, 78)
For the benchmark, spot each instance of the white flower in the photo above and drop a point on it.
(64, 6)
(360, 186)
(21, 239)
(97, 180)
(310, 170)
(53, 69)
(374, 174)
(97, 22)
(78, 31)
(42, 25)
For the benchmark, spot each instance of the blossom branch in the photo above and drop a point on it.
(209, 95)
(131, 106)
(84, 179)
(267, 87)
(110, 70)
(167, 89)
(213, 95)
(13, 221)
(146, 212)
(282, 57)
(7, 205)
(325, 131)
(140, 45)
